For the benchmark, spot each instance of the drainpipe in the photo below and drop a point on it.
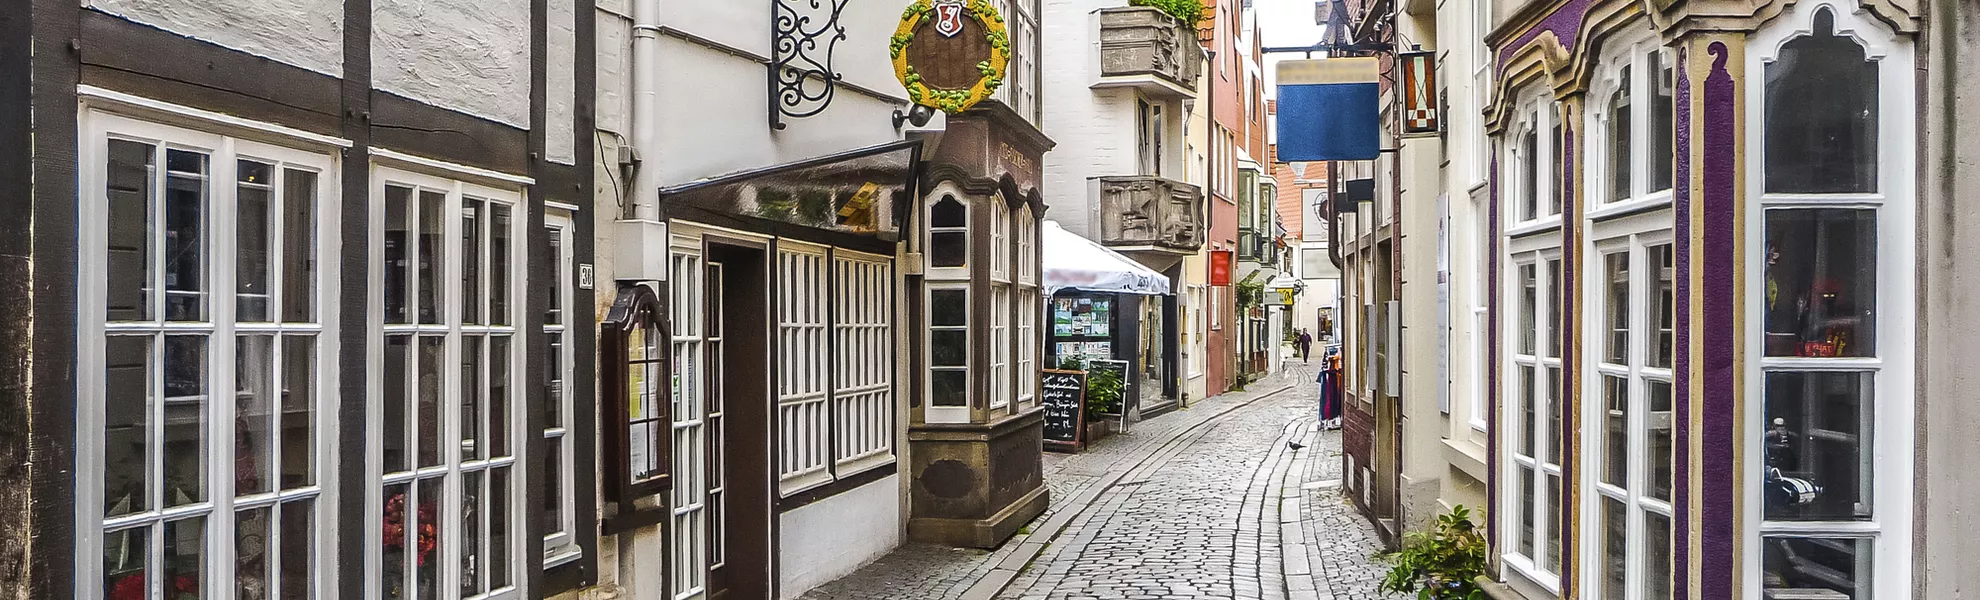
(645, 204)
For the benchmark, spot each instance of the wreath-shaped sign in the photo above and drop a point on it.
(951, 54)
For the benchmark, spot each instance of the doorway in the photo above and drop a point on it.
(721, 548)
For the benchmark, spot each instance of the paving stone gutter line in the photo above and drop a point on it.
(1030, 545)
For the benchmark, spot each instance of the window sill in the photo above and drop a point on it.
(1534, 227)
(1625, 208)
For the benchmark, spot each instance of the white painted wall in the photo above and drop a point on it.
(304, 33)
(561, 84)
(1095, 129)
(831, 538)
(466, 55)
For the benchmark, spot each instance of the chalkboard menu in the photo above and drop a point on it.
(1065, 409)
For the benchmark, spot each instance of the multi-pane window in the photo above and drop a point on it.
(1534, 543)
(802, 388)
(948, 352)
(1000, 346)
(451, 495)
(1148, 136)
(948, 234)
(1029, 306)
(1631, 385)
(1828, 308)
(863, 348)
(1637, 149)
(206, 251)
(1535, 189)
(559, 486)
(695, 386)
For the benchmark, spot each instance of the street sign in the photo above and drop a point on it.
(1328, 109)
(1420, 109)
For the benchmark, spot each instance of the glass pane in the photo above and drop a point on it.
(183, 565)
(397, 534)
(1556, 329)
(471, 515)
(948, 249)
(1616, 279)
(471, 211)
(125, 553)
(1529, 177)
(1526, 423)
(948, 348)
(1528, 307)
(1821, 282)
(398, 395)
(553, 401)
(432, 255)
(1816, 567)
(431, 385)
(1663, 300)
(254, 242)
(499, 263)
(1658, 423)
(499, 400)
(254, 421)
(1615, 549)
(185, 236)
(184, 452)
(553, 484)
(1615, 431)
(1821, 115)
(1619, 150)
(1657, 553)
(948, 213)
(398, 249)
(127, 405)
(554, 314)
(498, 528)
(298, 549)
(948, 308)
(1554, 522)
(298, 454)
(128, 187)
(1554, 430)
(431, 537)
(470, 397)
(1663, 137)
(1818, 446)
(1527, 535)
(298, 246)
(252, 555)
(949, 387)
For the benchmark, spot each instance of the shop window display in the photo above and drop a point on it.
(1821, 282)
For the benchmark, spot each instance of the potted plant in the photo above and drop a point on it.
(1103, 389)
(1439, 564)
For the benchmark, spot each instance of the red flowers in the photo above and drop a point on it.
(131, 587)
(395, 527)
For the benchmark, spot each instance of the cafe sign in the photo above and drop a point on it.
(950, 54)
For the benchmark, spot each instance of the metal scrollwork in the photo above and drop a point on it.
(802, 81)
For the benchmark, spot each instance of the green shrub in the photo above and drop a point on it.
(1187, 11)
(1439, 564)
(1103, 391)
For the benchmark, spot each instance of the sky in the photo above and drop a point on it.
(1285, 23)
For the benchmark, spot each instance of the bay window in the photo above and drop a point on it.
(1029, 306)
(449, 391)
(201, 358)
(1829, 282)
(1533, 543)
(1635, 158)
(1631, 406)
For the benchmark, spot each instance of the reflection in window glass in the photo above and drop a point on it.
(398, 250)
(1557, 316)
(128, 399)
(185, 433)
(1529, 175)
(1824, 147)
(185, 236)
(253, 240)
(432, 259)
(1657, 552)
(1615, 431)
(1529, 298)
(128, 188)
(1821, 294)
(1663, 139)
(948, 347)
(1662, 442)
(184, 561)
(298, 246)
(1616, 309)
(1663, 302)
(1818, 437)
(1619, 124)
(1809, 566)
(1527, 537)
(126, 553)
(254, 430)
(1615, 549)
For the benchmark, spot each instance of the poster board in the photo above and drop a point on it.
(1064, 399)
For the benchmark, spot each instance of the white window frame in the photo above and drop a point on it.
(1536, 113)
(803, 387)
(687, 510)
(1150, 128)
(456, 184)
(1641, 53)
(560, 543)
(1536, 251)
(195, 130)
(1633, 236)
(947, 414)
(1893, 368)
(863, 389)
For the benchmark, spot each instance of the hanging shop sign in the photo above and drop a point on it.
(1220, 267)
(950, 54)
(1328, 109)
(1421, 111)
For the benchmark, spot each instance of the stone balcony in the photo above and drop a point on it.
(1146, 49)
(1150, 213)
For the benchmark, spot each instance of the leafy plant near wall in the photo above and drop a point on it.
(1101, 385)
(1188, 11)
(1250, 293)
(1439, 564)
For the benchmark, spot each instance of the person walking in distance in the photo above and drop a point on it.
(1305, 344)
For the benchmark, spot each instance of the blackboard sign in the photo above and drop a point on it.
(1065, 409)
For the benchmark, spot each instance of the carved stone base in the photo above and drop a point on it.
(975, 484)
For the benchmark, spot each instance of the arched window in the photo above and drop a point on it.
(1619, 136)
(633, 364)
(948, 233)
(1828, 305)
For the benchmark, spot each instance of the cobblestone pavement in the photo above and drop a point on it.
(1209, 502)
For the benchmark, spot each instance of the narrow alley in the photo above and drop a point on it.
(1210, 502)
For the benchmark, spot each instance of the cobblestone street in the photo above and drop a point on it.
(1210, 502)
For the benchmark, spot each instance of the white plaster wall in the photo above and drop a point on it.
(714, 118)
(561, 83)
(1095, 129)
(613, 33)
(831, 538)
(304, 33)
(467, 55)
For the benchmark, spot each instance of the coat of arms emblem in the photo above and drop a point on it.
(948, 18)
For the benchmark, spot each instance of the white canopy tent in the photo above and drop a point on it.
(1076, 263)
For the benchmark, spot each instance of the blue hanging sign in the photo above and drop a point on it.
(1328, 109)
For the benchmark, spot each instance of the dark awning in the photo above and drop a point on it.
(862, 192)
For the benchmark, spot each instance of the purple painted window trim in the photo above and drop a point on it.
(1681, 209)
(1717, 565)
(1565, 22)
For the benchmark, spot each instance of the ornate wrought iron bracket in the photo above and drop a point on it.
(802, 81)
